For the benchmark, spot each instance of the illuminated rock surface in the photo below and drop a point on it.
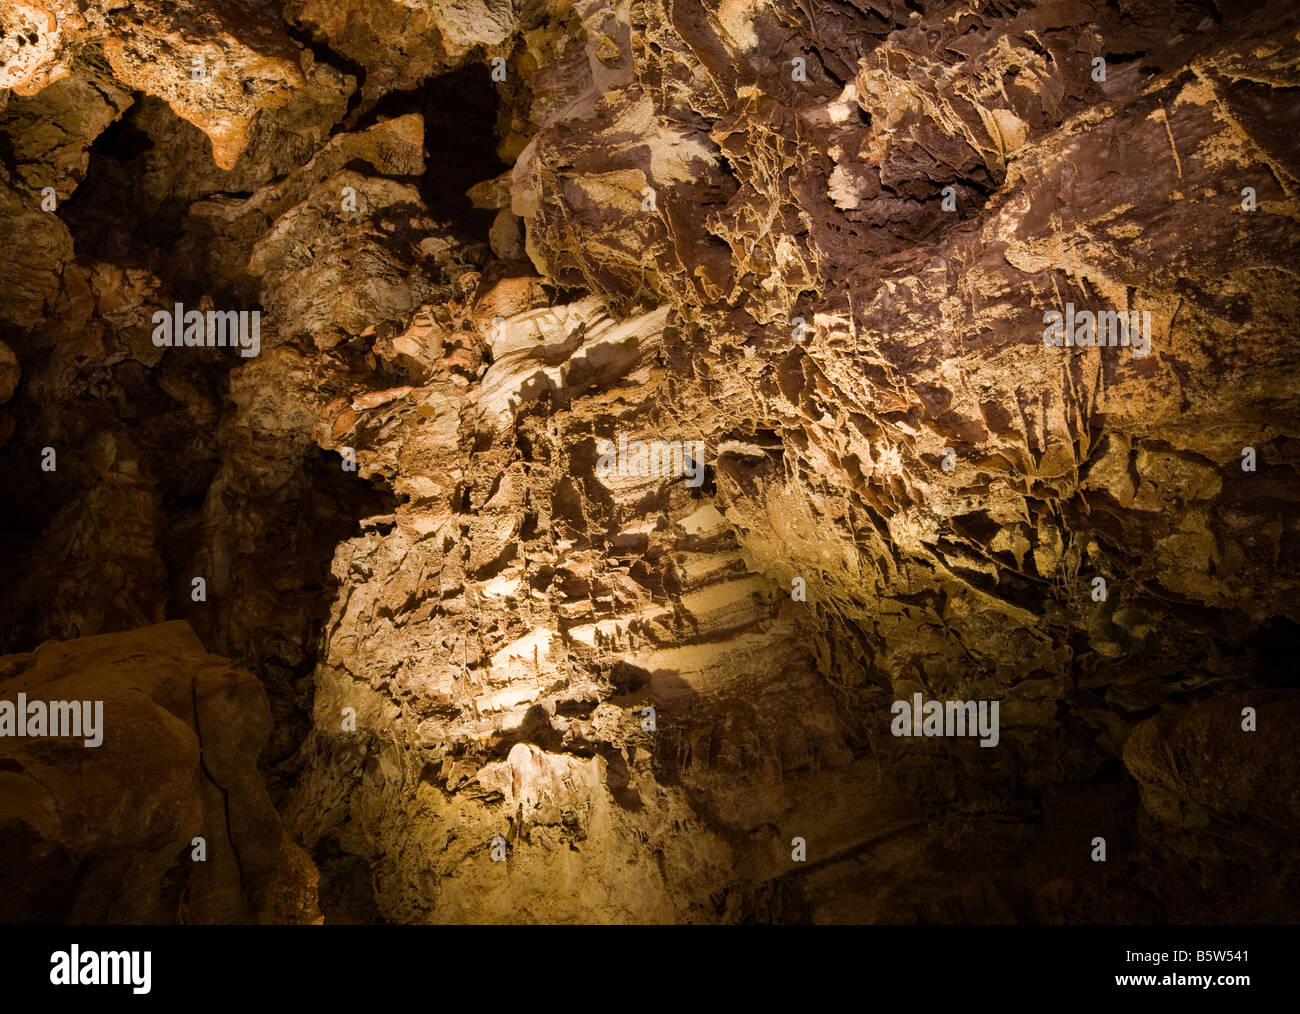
(817, 239)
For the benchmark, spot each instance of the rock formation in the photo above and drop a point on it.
(94, 830)
(650, 394)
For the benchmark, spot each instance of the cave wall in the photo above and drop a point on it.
(814, 242)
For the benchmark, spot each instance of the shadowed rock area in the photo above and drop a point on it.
(647, 395)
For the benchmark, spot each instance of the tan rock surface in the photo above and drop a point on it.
(812, 245)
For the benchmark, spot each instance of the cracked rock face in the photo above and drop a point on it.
(651, 398)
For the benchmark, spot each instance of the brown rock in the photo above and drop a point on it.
(104, 833)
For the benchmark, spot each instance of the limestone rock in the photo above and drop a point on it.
(104, 833)
(635, 425)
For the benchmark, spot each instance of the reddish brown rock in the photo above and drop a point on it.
(809, 245)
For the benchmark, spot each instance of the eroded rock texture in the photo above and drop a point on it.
(169, 769)
(815, 243)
